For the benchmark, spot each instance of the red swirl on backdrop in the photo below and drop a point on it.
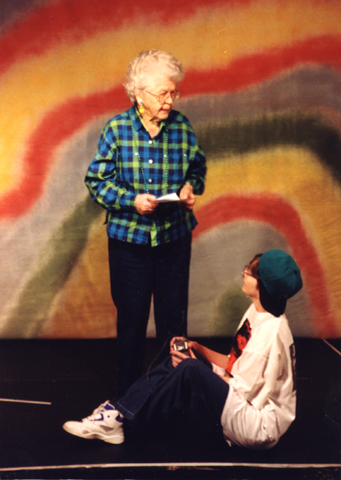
(77, 20)
(65, 120)
(273, 210)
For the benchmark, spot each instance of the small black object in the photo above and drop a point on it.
(181, 346)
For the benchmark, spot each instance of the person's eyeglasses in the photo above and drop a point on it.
(245, 272)
(162, 98)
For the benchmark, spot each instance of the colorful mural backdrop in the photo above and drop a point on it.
(262, 91)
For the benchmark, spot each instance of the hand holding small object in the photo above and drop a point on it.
(145, 203)
(182, 354)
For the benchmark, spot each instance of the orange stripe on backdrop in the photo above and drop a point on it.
(87, 293)
(64, 121)
(297, 175)
(227, 31)
(79, 19)
(74, 21)
(291, 176)
(56, 127)
(248, 70)
(275, 211)
(240, 65)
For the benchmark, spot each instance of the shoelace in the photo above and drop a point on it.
(97, 411)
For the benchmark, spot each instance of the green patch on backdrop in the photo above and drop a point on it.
(56, 260)
(291, 127)
(231, 307)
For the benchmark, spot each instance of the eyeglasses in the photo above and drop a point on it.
(162, 98)
(244, 272)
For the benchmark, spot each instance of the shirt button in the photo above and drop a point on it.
(150, 142)
(150, 160)
(150, 180)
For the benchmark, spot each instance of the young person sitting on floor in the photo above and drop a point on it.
(249, 394)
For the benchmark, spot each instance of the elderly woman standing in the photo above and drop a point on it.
(143, 154)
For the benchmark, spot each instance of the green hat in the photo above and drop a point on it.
(280, 280)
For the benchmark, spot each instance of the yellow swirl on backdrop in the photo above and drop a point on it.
(297, 175)
(210, 38)
(294, 173)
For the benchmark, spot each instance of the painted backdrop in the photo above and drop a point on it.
(262, 91)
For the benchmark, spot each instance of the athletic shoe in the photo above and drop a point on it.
(105, 423)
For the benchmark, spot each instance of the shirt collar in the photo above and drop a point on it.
(137, 121)
(134, 115)
(256, 318)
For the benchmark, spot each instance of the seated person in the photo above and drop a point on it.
(249, 394)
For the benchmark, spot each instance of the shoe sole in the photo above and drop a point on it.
(115, 439)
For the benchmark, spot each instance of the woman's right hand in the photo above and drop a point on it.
(145, 203)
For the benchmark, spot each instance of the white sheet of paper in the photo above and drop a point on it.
(171, 197)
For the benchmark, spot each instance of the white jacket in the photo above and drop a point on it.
(261, 403)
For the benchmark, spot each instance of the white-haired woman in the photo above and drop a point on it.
(145, 153)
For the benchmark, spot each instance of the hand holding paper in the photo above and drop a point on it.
(171, 197)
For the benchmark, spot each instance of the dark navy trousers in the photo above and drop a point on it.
(165, 390)
(138, 273)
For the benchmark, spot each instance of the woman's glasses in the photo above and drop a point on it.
(174, 95)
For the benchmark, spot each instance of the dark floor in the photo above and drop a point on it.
(77, 375)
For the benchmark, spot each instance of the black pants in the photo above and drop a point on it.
(165, 391)
(138, 272)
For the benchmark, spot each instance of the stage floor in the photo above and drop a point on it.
(75, 376)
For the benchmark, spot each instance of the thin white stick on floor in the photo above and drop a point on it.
(24, 401)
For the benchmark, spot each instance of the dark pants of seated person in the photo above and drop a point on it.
(166, 391)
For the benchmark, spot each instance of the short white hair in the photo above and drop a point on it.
(141, 67)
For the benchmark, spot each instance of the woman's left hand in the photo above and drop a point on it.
(187, 197)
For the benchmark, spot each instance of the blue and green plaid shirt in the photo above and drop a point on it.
(115, 176)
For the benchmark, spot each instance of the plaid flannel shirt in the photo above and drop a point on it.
(115, 176)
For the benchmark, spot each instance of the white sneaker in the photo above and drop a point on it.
(105, 423)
